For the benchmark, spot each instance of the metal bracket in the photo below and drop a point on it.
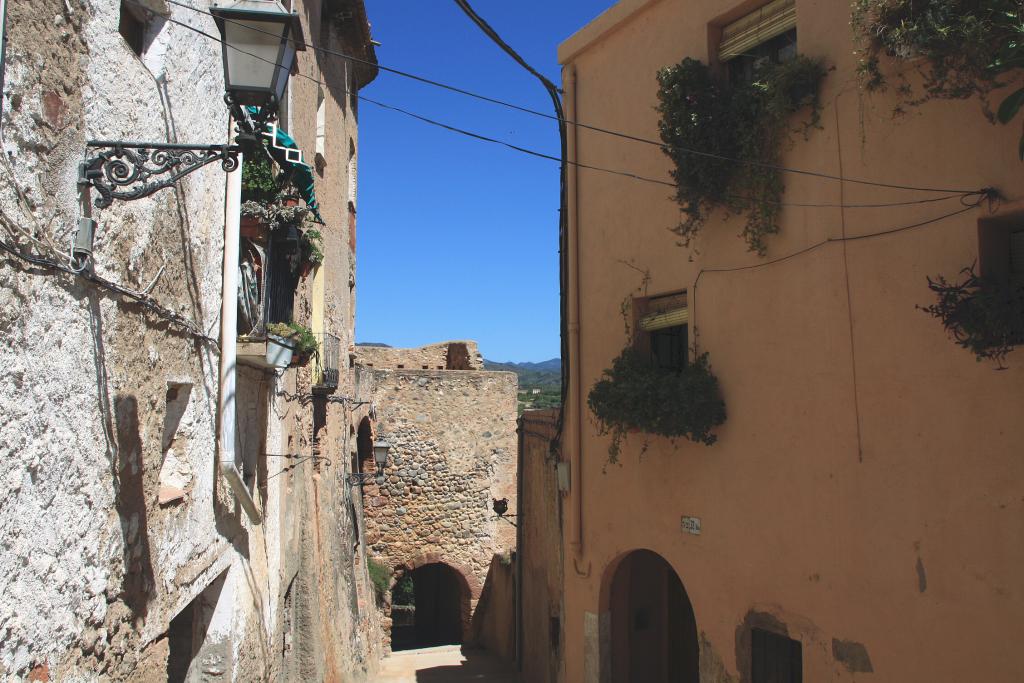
(132, 170)
(360, 478)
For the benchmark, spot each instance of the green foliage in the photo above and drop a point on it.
(985, 316)
(749, 121)
(312, 246)
(380, 577)
(404, 592)
(274, 215)
(258, 181)
(960, 48)
(305, 341)
(635, 395)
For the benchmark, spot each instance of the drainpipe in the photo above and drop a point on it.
(229, 344)
(575, 385)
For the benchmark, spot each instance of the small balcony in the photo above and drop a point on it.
(324, 367)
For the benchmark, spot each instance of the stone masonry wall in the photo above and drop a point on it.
(453, 449)
(449, 355)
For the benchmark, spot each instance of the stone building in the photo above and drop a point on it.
(135, 542)
(859, 516)
(452, 437)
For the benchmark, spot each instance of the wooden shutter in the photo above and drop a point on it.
(761, 25)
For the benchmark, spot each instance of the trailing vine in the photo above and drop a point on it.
(635, 395)
(984, 315)
(959, 48)
(748, 121)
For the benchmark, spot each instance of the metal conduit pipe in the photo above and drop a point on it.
(229, 344)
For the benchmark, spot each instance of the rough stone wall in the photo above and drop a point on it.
(114, 525)
(449, 355)
(453, 441)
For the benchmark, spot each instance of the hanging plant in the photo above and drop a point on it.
(959, 48)
(634, 395)
(312, 247)
(274, 215)
(985, 316)
(748, 121)
(259, 183)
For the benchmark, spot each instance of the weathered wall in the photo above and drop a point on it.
(452, 436)
(449, 355)
(539, 553)
(114, 525)
(494, 621)
(865, 488)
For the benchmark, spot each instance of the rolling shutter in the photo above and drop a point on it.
(665, 319)
(759, 26)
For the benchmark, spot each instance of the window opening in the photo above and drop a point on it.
(321, 131)
(775, 658)
(1001, 248)
(132, 27)
(662, 329)
(766, 35)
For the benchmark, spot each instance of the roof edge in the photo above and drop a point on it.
(607, 22)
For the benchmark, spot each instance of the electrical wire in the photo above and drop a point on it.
(626, 174)
(143, 300)
(607, 131)
(563, 209)
(817, 245)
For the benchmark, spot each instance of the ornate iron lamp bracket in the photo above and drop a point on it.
(132, 170)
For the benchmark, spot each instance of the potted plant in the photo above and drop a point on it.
(301, 337)
(312, 251)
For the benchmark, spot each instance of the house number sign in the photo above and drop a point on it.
(691, 525)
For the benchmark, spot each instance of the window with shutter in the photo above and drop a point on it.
(661, 323)
(768, 34)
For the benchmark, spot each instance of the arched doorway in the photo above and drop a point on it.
(439, 609)
(653, 629)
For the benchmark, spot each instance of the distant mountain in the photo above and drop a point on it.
(385, 346)
(541, 375)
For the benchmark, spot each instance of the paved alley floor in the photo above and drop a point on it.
(445, 664)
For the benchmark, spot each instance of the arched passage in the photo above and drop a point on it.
(653, 629)
(439, 614)
(364, 446)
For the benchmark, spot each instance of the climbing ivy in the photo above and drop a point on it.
(724, 122)
(635, 395)
(958, 48)
(984, 315)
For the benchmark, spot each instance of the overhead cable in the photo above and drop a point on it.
(484, 138)
(598, 129)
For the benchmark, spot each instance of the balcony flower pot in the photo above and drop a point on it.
(272, 353)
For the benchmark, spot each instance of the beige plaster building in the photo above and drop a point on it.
(138, 543)
(860, 515)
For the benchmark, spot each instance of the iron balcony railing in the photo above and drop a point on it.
(325, 363)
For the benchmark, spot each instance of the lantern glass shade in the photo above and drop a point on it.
(380, 453)
(259, 42)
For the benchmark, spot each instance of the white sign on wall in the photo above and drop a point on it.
(691, 525)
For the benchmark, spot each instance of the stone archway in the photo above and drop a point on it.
(444, 598)
(650, 633)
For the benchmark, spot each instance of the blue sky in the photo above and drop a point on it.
(457, 238)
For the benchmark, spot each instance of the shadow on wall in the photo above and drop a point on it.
(494, 621)
(130, 501)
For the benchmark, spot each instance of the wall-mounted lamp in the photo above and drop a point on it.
(380, 458)
(500, 507)
(260, 38)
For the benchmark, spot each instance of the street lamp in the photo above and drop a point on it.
(259, 42)
(380, 458)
